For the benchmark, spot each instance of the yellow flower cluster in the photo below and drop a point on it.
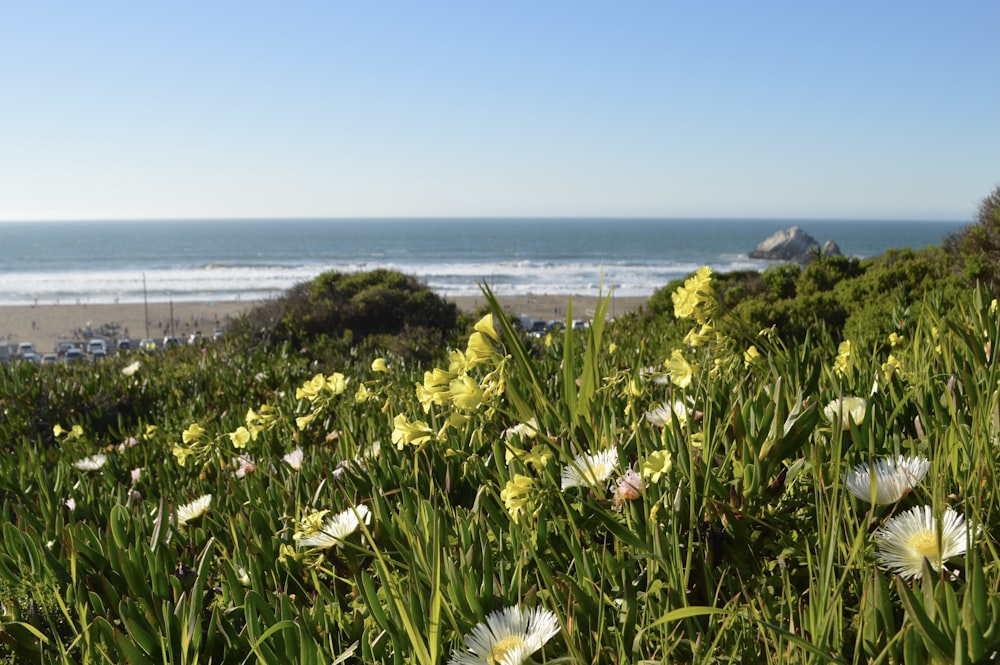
(320, 392)
(696, 298)
(455, 388)
(196, 443)
(842, 362)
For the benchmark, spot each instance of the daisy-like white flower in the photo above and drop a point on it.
(842, 408)
(507, 637)
(334, 530)
(92, 463)
(909, 538)
(193, 510)
(893, 478)
(132, 368)
(294, 459)
(590, 470)
(662, 414)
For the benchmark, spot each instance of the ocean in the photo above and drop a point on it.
(128, 261)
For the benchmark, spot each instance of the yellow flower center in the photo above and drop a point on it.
(503, 647)
(594, 473)
(925, 543)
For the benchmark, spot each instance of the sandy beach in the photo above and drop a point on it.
(47, 325)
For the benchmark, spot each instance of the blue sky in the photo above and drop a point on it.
(130, 110)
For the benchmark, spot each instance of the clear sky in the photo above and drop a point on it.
(854, 109)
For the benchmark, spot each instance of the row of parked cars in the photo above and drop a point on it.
(95, 348)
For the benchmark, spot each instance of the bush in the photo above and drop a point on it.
(337, 312)
(975, 249)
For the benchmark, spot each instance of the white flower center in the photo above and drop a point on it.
(501, 648)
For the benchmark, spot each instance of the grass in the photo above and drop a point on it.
(745, 548)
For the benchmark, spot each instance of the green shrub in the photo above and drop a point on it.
(337, 312)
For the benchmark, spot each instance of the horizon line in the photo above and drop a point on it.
(376, 218)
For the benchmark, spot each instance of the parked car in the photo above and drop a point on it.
(124, 345)
(74, 355)
(25, 348)
(147, 345)
(63, 347)
(31, 356)
(50, 358)
(97, 345)
(170, 341)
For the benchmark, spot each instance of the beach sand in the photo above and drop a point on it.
(47, 325)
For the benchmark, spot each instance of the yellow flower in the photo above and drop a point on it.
(336, 383)
(465, 392)
(182, 453)
(303, 421)
(406, 432)
(378, 365)
(516, 497)
(485, 326)
(537, 457)
(843, 359)
(240, 437)
(362, 394)
(479, 350)
(894, 339)
(311, 388)
(193, 433)
(751, 355)
(700, 338)
(891, 365)
(696, 298)
(681, 372)
(656, 465)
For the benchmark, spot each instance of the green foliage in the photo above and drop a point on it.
(975, 249)
(367, 311)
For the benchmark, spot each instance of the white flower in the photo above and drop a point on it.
(893, 478)
(909, 538)
(92, 463)
(136, 475)
(838, 410)
(590, 470)
(294, 459)
(528, 430)
(337, 528)
(71, 503)
(507, 637)
(661, 415)
(193, 510)
(654, 374)
(131, 369)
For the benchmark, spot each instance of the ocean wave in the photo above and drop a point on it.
(219, 281)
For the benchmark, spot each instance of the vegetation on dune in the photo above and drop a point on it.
(369, 311)
(797, 466)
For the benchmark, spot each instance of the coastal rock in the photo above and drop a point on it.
(787, 245)
(795, 246)
(830, 248)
